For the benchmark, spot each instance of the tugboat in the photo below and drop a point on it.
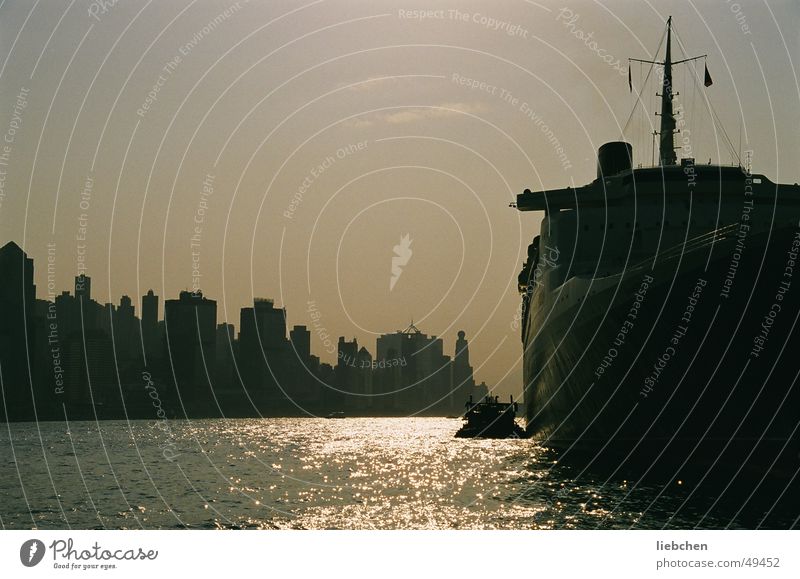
(490, 418)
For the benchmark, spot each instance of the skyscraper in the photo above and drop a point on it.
(150, 333)
(301, 341)
(264, 352)
(83, 287)
(412, 367)
(463, 380)
(271, 323)
(191, 324)
(303, 383)
(90, 374)
(346, 376)
(226, 346)
(126, 344)
(17, 301)
(364, 381)
(87, 312)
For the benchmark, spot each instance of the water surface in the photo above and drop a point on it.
(359, 473)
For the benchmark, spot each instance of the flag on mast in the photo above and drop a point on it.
(708, 81)
(630, 83)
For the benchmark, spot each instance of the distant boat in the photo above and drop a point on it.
(335, 415)
(490, 418)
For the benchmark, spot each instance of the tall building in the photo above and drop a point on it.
(65, 314)
(303, 383)
(83, 287)
(150, 309)
(364, 390)
(47, 366)
(90, 374)
(81, 340)
(88, 313)
(271, 323)
(463, 379)
(327, 382)
(17, 302)
(301, 342)
(412, 372)
(347, 376)
(108, 313)
(191, 329)
(264, 353)
(389, 364)
(150, 333)
(226, 347)
(126, 343)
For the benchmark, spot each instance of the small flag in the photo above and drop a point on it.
(630, 83)
(708, 81)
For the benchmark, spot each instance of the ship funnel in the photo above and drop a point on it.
(613, 158)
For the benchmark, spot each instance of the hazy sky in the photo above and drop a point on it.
(298, 142)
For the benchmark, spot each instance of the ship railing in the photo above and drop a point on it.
(700, 241)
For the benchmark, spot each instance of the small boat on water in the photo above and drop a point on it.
(335, 415)
(490, 418)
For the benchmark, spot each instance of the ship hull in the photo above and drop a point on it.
(676, 363)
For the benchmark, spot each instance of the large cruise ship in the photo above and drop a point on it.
(660, 308)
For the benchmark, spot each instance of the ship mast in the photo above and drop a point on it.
(666, 151)
(666, 142)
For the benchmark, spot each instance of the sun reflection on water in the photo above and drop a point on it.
(370, 473)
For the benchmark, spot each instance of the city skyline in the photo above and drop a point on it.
(324, 338)
(126, 301)
(87, 359)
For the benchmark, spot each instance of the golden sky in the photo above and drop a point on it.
(284, 149)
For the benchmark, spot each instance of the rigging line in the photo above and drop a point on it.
(636, 104)
(728, 140)
(681, 46)
(636, 133)
(683, 100)
(693, 103)
(718, 123)
(641, 112)
(638, 92)
(714, 116)
(682, 49)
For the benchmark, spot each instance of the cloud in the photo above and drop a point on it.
(377, 83)
(444, 110)
(393, 83)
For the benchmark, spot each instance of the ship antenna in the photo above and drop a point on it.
(666, 149)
